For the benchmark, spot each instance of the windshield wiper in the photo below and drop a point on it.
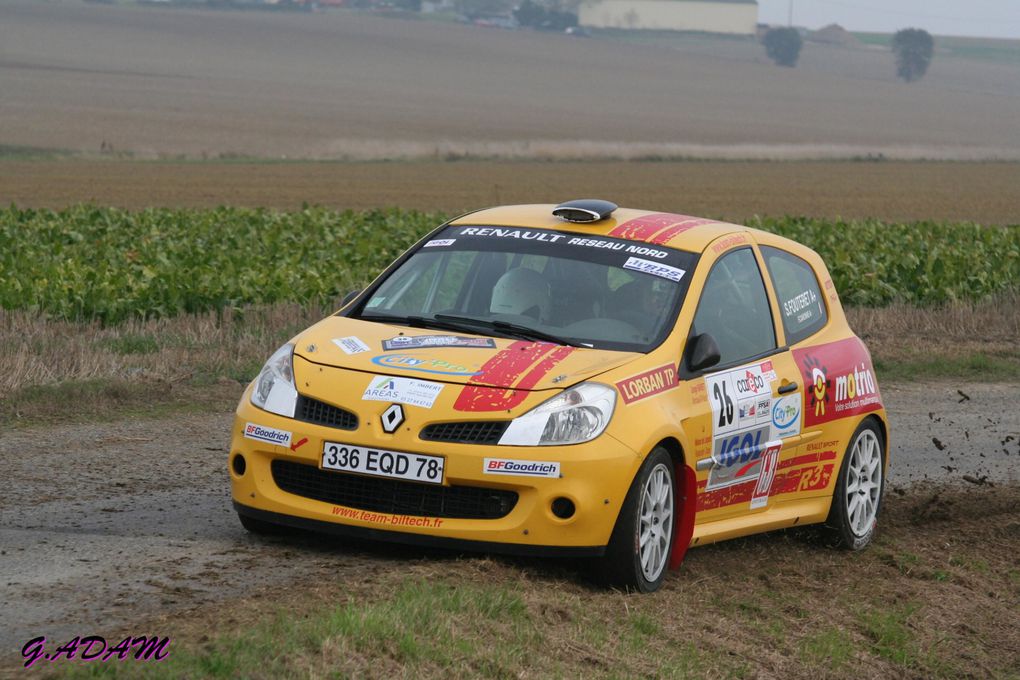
(508, 328)
(442, 322)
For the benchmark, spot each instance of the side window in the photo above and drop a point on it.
(801, 305)
(735, 309)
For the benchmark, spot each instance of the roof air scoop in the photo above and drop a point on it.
(584, 210)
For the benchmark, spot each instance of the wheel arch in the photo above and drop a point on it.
(883, 430)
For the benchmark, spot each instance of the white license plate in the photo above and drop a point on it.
(382, 463)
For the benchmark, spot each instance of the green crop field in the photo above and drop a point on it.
(91, 263)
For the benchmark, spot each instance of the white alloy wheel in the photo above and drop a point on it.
(656, 522)
(863, 482)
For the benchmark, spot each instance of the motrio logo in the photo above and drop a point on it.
(859, 382)
(840, 380)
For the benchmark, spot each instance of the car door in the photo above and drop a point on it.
(803, 316)
(740, 452)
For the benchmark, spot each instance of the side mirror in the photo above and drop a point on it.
(702, 352)
(350, 296)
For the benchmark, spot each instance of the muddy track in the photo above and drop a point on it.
(102, 525)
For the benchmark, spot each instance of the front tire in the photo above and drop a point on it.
(858, 495)
(639, 549)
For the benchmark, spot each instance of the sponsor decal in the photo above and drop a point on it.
(729, 242)
(797, 304)
(351, 344)
(402, 390)
(728, 389)
(269, 435)
(810, 472)
(840, 381)
(297, 445)
(418, 341)
(769, 460)
(384, 518)
(754, 410)
(659, 228)
(737, 457)
(523, 234)
(747, 411)
(648, 384)
(654, 268)
(752, 382)
(408, 362)
(504, 380)
(525, 468)
(786, 416)
(440, 242)
(741, 401)
(698, 393)
(831, 289)
(568, 239)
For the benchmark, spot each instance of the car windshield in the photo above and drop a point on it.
(538, 284)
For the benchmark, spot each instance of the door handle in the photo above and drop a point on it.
(787, 388)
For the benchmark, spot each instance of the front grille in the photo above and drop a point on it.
(393, 496)
(471, 432)
(320, 413)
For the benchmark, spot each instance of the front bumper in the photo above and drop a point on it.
(594, 476)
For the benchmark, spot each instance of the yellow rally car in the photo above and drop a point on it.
(572, 380)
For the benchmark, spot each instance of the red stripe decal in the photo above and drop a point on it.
(658, 228)
(498, 375)
(643, 228)
(664, 237)
(801, 479)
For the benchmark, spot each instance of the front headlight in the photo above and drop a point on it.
(574, 416)
(274, 389)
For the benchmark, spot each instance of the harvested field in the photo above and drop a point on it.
(981, 192)
(159, 82)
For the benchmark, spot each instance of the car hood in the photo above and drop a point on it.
(451, 357)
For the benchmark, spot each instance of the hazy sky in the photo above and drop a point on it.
(994, 18)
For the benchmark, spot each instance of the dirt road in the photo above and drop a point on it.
(103, 525)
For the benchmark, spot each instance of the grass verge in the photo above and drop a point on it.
(58, 370)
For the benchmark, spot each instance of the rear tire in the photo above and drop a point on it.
(637, 556)
(858, 495)
(260, 527)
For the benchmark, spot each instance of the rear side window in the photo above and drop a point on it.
(801, 305)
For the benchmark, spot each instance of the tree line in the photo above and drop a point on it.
(913, 48)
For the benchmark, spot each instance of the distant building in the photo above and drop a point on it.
(711, 16)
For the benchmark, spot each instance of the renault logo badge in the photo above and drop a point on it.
(392, 418)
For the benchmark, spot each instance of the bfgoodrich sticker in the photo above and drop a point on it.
(269, 435)
(523, 468)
